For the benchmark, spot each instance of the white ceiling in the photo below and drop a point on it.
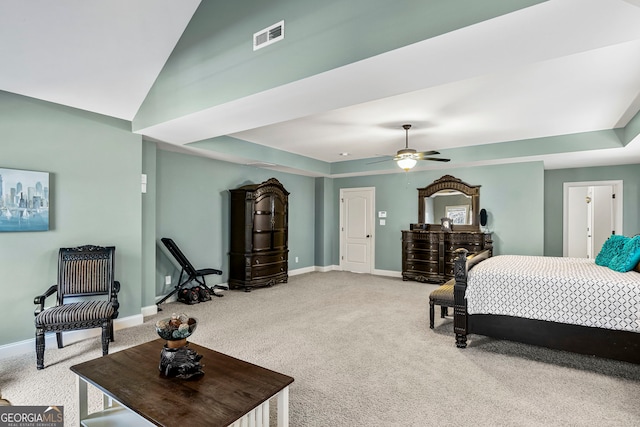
(562, 67)
(101, 56)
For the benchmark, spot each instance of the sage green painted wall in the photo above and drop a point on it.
(512, 195)
(233, 146)
(553, 193)
(325, 234)
(214, 61)
(94, 162)
(193, 209)
(149, 225)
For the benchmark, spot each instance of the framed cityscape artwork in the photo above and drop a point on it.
(24, 200)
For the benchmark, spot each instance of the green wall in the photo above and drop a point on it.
(193, 209)
(148, 290)
(214, 62)
(553, 193)
(512, 195)
(325, 235)
(94, 162)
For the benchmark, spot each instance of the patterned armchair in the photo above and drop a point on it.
(84, 273)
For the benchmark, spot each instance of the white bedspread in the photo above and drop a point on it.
(565, 290)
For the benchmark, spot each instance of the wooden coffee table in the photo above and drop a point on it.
(231, 392)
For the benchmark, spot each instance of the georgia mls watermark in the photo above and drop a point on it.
(31, 416)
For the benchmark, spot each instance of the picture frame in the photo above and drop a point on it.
(458, 214)
(445, 224)
(24, 200)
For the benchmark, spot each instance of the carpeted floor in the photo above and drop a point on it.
(362, 354)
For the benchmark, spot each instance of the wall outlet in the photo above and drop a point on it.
(296, 259)
(167, 280)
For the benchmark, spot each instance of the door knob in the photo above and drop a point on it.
(368, 236)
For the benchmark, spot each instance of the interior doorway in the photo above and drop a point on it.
(592, 211)
(357, 242)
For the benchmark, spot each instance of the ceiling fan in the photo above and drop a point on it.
(408, 157)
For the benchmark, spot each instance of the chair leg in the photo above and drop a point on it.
(40, 348)
(111, 338)
(59, 339)
(443, 311)
(431, 314)
(105, 338)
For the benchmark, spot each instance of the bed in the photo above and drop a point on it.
(568, 304)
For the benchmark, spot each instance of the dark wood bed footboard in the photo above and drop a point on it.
(461, 267)
(607, 343)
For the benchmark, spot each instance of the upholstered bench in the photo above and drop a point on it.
(443, 296)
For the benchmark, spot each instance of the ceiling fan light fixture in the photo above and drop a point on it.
(407, 163)
(405, 158)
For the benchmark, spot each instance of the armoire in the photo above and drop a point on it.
(259, 235)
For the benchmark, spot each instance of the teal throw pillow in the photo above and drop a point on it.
(627, 259)
(610, 249)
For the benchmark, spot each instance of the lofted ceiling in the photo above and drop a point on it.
(563, 67)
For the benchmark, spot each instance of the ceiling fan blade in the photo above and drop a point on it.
(436, 159)
(421, 154)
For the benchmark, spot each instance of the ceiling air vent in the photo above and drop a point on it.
(268, 36)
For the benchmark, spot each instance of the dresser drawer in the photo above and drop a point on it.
(450, 256)
(268, 258)
(422, 245)
(471, 247)
(272, 269)
(422, 255)
(421, 267)
(448, 270)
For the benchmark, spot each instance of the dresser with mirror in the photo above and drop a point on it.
(448, 212)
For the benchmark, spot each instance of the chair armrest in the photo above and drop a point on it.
(114, 297)
(39, 300)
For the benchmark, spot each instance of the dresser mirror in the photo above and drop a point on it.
(449, 197)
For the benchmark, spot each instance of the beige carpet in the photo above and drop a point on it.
(362, 354)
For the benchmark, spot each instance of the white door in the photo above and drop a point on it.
(356, 229)
(578, 227)
(600, 214)
(592, 212)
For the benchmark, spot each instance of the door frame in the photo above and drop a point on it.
(341, 225)
(618, 207)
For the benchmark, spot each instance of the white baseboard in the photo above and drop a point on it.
(388, 273)
(299, 271)
(327, 268)
(149, 310)
(29, 346)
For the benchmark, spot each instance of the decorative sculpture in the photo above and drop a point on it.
(176, 358)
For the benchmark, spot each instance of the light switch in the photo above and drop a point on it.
(383, 221)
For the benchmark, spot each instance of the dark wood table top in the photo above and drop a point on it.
(229, 389)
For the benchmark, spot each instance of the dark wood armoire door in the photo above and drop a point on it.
(259, 235)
